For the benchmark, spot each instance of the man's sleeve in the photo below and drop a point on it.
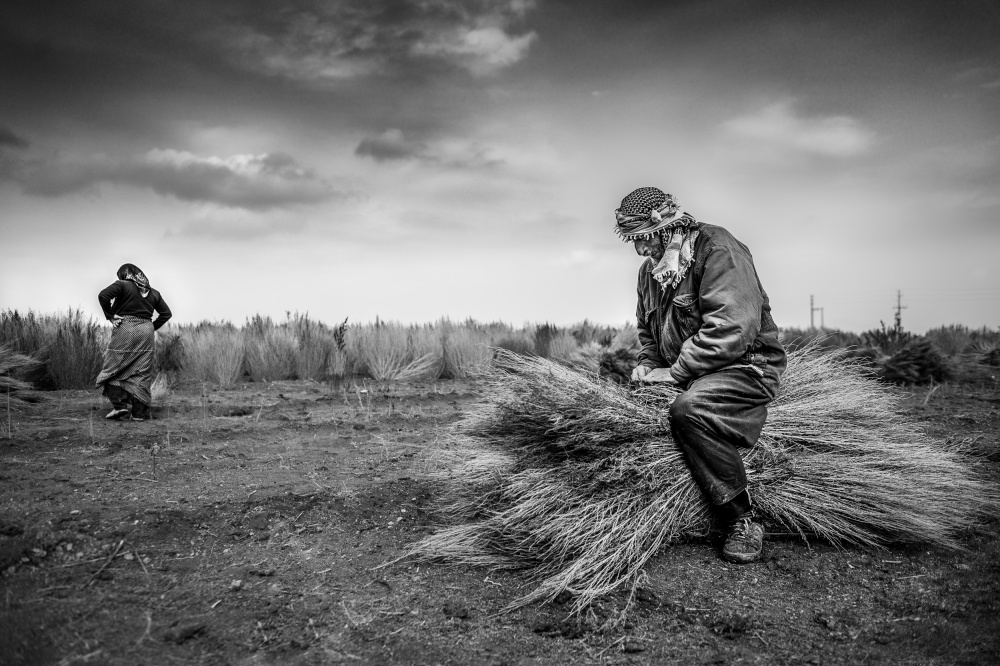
(649, 355)
(731, 302)
(163, 313)
(110, 292)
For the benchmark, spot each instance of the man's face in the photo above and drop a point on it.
(650, 248)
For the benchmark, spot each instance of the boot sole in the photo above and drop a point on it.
(740, 559)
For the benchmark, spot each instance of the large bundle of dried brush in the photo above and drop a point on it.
(13, 366)
(578, 480)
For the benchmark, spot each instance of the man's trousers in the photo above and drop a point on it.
(713, 419)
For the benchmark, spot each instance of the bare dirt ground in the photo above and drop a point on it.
(242, 526)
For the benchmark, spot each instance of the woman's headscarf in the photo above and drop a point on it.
(134, 274)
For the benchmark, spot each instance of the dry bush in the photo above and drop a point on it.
(423, 368)
(160, 388)
(382, 349)
(578, 480)
(426, 347)
(427, 338)
(562, 346)
(544, 335)
(269, 351)
(627, 337)
(985, 340)
(318, 354)
(615, 361)
(467, 352)
(336, 368)
(587, 357)
(918, 362)
(169, 351)
(518, 342)
(69, 347)
(24, 333)
(950, 340)
(213, 353)
(587, 332)
(824, 338)
(75, 352)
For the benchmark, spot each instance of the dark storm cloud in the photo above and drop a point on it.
(251, 182)
(391, 145)
(308, 40)
(330, 42)
(8, 138)
(149, 69)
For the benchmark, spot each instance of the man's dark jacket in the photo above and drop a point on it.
(717, 316)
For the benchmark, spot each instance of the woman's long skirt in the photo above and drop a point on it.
(128, 362)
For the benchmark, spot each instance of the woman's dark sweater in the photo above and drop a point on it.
(128, 301)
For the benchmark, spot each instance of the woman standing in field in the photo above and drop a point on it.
(127, 375)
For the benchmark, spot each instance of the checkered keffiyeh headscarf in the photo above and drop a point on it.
(648, 212)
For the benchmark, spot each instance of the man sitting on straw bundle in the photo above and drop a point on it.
(705, 326)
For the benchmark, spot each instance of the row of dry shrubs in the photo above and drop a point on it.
(947, 353)
(302, 348)
(69, 347)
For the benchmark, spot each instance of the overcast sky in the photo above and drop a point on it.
(414, 159)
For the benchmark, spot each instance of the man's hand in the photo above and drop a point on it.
(658, 376)
(639, 372)
(116, 321)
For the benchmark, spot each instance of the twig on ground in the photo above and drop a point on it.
(139, 557)
(930, 393)
(149, 623)
(103, 566)
(66, 661)
(76, 564)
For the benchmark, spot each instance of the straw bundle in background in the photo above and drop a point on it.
(578, 480)
(13, 366)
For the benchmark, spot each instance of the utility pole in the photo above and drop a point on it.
(812, 312)
(899, 310)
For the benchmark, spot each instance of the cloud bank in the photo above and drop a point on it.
(391, 145)
(336, 42)
(8, 138)
(779, 125)
(251, 182)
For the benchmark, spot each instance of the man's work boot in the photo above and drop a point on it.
(744, 542)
